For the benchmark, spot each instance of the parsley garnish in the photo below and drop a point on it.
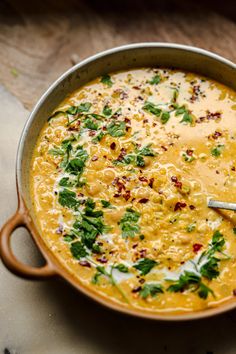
(106, 79)
(116, 128)
(128, 223)
(155, 80)
(152, 108)
(107, 111)
(191, 227)
(90, 124)
(105, 203)
(145, 265)
(217, 151)
(72, 110)
(151, 289)
(90, 224)
(136, 158)
(187, 117)
(122, 268)
(78, 250)
(165, 116)
(67, 198)
(192, 282)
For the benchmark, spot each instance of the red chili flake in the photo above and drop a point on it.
(216, 135)
(189, 152)
(145, 121)
(192, 207)
(116, 195)
(140, 98)
(196, 247)
(127, 120)
(113, 146)
(179, 206)
(154, 124)
(143, 253)
(80, 194)
(120, 186)
(85, 264)
(234, 292)
(137, 289)
(73, 128)
(126, 195)
(196, 92)
(104, 128)
(143, 200)
(233, 168)
(122, 154)
(92, 132)
(177, 183)
(217, 172)
(135, 245)
(164, 148)
(102, 259)
(143, 179)
(94, 158)
(151, 180)
(213, 116)
(141, 281)
(136, 87)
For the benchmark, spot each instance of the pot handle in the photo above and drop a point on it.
(9, 259)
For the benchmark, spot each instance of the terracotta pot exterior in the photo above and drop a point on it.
(121, 58)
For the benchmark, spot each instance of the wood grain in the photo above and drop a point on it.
(40, 39)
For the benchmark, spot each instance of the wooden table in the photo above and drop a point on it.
(39, 40)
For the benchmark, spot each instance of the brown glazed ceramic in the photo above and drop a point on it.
(129, 56)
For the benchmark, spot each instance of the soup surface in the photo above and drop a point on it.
(120, 178)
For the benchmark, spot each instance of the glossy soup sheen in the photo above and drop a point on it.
(120, 178)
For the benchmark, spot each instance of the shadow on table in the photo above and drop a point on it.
(107, 329)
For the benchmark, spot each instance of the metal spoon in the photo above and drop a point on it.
(221, 205)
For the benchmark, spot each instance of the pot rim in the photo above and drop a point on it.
(193, 315)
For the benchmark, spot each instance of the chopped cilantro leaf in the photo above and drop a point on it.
(78, 250)
(152, 108)
(191, 227)
(90, 124)
(210, 270)
(128, 223)
(187, 281)
(165, 116)
(122, 268)
(106, 80)
(151, 289)
(155, 80)
(116, 128)
(146, 151)
(105, 203)
(107, 111)
(84, 107)
(56, 152)
(145, 265)
(187, 118)
(98, 137)
(67, 198)
(217, 151)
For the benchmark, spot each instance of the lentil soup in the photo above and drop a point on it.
(120, 178)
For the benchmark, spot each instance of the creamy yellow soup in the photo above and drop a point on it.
(120, 178)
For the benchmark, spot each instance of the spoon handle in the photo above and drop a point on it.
(221, 205)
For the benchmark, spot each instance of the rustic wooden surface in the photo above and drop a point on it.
(40, 39)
